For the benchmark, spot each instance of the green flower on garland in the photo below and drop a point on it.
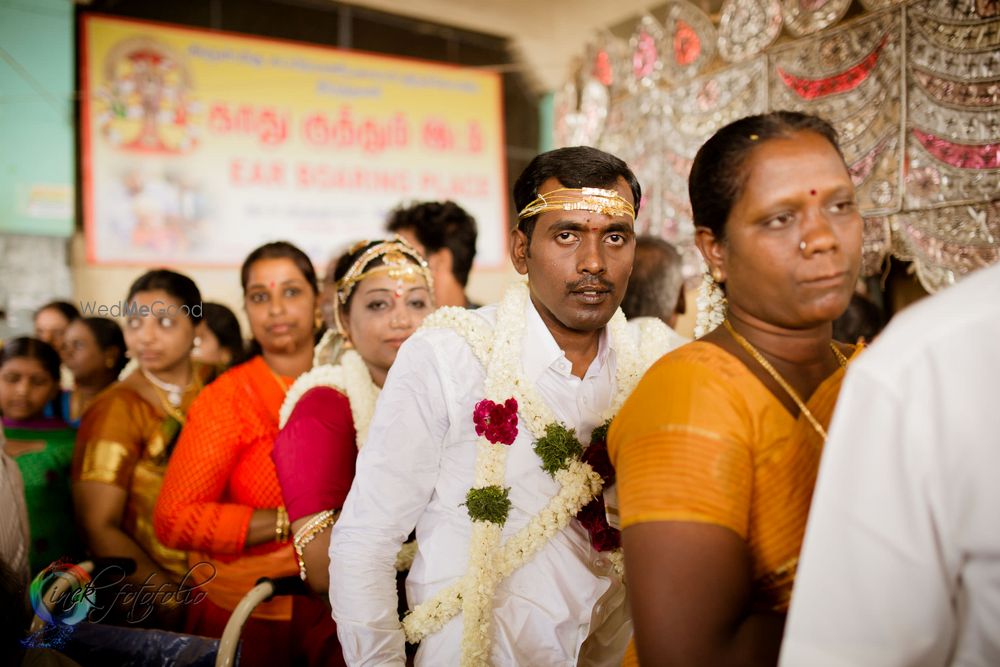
(557, 448)
(488, 503)
(600, 433)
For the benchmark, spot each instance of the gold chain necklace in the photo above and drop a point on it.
(753, 352)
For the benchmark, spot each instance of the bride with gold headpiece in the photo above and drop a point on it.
(381, 292)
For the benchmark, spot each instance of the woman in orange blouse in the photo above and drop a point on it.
(127, 434)
(717, 450)
(221, 499)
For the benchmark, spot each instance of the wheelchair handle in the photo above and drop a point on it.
(290, 585)
(265, 589)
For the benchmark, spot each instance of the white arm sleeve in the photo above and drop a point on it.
(874, 583)
(396, 473)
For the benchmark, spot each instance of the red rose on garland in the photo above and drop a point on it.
(596, 456)
(594, 519)
(496, 421)
(592, 516)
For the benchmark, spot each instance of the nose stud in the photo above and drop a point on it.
(802, 246)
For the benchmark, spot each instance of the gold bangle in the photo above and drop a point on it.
(282, 526)
(307, 533)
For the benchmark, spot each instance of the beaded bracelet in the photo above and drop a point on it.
(308, 532)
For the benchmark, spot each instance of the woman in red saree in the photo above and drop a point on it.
(220, 499)
(382, 291)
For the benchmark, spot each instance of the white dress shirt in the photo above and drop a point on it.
(415, 470)
(901, 559)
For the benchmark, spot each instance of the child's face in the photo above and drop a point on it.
(25, 388)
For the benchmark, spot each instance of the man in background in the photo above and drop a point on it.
(860, 323)
(656, 288)
(445, 234)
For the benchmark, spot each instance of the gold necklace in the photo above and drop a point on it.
(753, 352)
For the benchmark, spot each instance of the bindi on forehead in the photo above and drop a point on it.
(813, 192)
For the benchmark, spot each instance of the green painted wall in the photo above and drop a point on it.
(36, 117)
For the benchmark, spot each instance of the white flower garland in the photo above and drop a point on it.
(655, 339)
(711, 303)
(499, 351)
(350, 377)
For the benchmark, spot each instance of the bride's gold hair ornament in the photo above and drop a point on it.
(400, 261)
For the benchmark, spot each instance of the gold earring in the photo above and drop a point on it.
(717, 275)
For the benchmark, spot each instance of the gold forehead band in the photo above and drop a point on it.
(595, 200)
(399, 260)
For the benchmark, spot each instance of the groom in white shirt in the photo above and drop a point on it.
(539, 605)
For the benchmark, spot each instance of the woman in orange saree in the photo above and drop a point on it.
(717, 450)
(221, 499)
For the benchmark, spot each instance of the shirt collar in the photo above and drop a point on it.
(540, 352)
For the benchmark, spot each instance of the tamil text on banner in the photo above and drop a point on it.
(199, 146)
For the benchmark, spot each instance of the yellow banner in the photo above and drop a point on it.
(199, 146)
